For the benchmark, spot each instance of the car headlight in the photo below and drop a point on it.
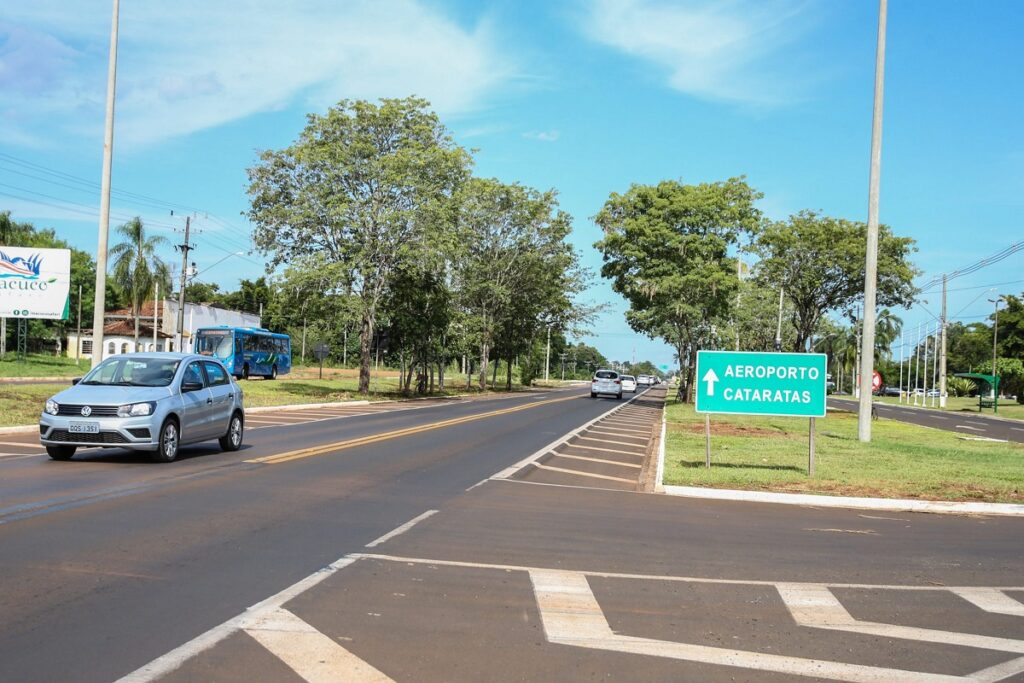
(136, 409)
(51, 406)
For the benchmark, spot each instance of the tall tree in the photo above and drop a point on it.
(137, 267)
(514, 268)
(819, 262)
(665, 250)
(366, 185)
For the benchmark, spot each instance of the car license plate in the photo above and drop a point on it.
(84, 428)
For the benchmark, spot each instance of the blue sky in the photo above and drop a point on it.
(585, 97)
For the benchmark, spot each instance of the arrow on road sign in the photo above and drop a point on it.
(710, 377)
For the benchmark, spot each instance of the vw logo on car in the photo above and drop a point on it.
(86, 411)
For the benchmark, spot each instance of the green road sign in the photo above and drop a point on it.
(750, 383)
(664, 367)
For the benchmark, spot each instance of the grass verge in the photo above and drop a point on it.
(902, 460)
(20, 404)
(1008, 408)
(39, 365)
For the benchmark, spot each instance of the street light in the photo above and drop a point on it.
(995, 335)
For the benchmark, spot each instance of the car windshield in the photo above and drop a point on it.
(133, 372)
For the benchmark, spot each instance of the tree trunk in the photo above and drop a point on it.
(365, 336)
(508, 376)
(485, 351)
(494, 372)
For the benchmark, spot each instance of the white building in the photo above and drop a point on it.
(119, 331)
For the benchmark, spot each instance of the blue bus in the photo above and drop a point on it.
(246, 351)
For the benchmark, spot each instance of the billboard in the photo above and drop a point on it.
(34, 283)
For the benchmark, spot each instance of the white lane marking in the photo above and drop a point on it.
(617, 443)
(999, 672)
(614, 421)
(15, 456)
(595, 430)
(973, 429)
(604, 450)
(163, 665)
(309, 653)
(402, 529)
(815, 606)
(623, 430)
(991, 600)
(479, 483)
(509, 471)
(20, 444)
(572, 616)
(600, 460)
(661, 577)
(579, 473)
(1017, 429)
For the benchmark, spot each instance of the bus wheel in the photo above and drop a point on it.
(245, 371)
(273, 373)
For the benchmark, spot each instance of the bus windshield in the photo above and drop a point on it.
(219, 343)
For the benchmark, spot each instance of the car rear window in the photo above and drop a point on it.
(604, 374)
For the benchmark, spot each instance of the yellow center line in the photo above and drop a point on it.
(398, 433)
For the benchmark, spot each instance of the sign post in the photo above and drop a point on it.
(321, 350)
(751, 383)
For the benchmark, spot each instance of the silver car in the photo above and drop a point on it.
(606, 382)
(154, 402)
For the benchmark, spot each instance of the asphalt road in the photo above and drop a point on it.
(969, 424)
(381, 547)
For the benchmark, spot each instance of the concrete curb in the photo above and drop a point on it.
(813, 500)
(34, 380)
(950, 413)
(20, 429)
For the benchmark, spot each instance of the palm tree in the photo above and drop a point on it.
(137, 268)
(887, 331)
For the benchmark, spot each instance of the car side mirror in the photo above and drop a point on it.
(75, 380)
(190, 386)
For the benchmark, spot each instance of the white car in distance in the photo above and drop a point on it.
(628, 383)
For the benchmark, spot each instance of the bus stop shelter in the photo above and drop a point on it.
(992, 381)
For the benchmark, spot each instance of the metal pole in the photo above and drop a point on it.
(707, 441)
(810, 450)
(78, 333)
(917, 369)
(100, 297)
(995, 336)
(935, 365)
(867, 354)
(180, 328)
(547, 358)
(902, 351)
(156, 314)
(778, 327)
(924, 399)
(942, 351)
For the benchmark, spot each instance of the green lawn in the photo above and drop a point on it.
(1008, 408)
(20, 404)
(40, 365)
(902, 460)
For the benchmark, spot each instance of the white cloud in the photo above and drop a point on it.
(543, 136)
(195, 64)
(720, 51)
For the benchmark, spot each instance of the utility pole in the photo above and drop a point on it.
(78, 334)
(778, 327)
(995, 337)
(867, 353)
(156, 315)
(99, 307)
(185, 247)
(942, 349)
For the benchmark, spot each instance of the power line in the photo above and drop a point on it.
(976, 266)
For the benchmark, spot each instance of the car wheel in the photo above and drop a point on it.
(167, 447)
(245, 371)
(232, 441)
(60, 452)
(273, 373)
